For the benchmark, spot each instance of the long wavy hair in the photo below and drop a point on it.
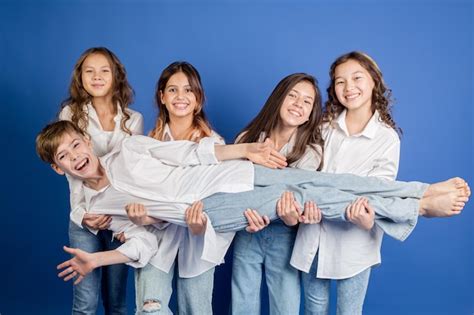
(307, 134)
(122, 92)
(200, 126)
(381, 94)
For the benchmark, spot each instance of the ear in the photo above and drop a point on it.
(161, 97)
(57, 169)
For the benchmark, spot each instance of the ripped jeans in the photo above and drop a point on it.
(153, 289)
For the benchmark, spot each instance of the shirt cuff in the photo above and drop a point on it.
(140, 249)
(206, 152)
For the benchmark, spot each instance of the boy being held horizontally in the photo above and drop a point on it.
(146, 171)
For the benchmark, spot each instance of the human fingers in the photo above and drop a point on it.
(66, 271)
(279, 207)
(78, 279)
(70, 276)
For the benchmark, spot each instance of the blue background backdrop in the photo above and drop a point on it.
(242, 49)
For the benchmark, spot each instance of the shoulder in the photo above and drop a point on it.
(65, 113)
(387, 133)
(134, 114)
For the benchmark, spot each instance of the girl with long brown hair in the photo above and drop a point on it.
(291, 118)
(180, 99)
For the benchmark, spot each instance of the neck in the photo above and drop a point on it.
(180, 126)
(104, 106)
(357, 120)
(281, 135)
(98, 181)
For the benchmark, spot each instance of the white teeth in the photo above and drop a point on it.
(352, 96)
(295, 113)
(82, 164)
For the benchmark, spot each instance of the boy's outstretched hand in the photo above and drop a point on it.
(80, 265)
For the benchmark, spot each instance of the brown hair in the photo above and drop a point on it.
(49, 139)
(78, 96)
(200, 125)
(381, 94)
(307, 134)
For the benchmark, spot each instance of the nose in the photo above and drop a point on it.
(180, 94)
(299, 102)
(73, 155)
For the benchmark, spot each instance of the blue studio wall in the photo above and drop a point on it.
(242, 49)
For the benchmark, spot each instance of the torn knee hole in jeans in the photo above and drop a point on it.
(151, 305)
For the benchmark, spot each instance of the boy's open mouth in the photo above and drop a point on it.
(82, 164)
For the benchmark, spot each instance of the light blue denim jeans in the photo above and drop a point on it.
(396, 203)
(110, 281)
(153, 285)
(350, 292)
(269, 249)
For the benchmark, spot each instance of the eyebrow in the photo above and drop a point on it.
(71, 143)
(174, 85)
(307, 96)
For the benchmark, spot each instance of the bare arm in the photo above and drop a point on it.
(82, 263)
(259, 153)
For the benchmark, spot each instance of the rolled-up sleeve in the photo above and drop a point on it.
(141, 244)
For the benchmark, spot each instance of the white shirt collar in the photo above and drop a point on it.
(370, 129)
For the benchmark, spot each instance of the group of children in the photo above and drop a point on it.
(177, 205)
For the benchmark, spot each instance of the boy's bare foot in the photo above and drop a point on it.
(450, 185)
(443, 205)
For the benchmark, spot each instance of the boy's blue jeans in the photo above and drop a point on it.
(110, 281)
(269, 250)
(153, 285)
(396, 203)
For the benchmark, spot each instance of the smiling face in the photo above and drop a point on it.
(74, 157)
(353, 86)
(297, 105)
(96, 76)
(178, 96)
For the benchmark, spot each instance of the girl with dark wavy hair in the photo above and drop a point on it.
(362, 138)
(99, 96)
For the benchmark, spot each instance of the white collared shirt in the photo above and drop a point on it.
(167, 177)
(345, 249)
(102, 142)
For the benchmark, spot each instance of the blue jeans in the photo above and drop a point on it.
(350, 293)
(111, 281)
(154, 285)
(269, 249)
(396, 203)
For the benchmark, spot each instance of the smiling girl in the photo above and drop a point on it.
(180, 99)
(361, 138)
(290, 118)
(99, 96)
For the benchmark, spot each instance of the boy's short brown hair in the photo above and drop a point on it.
(49, 139)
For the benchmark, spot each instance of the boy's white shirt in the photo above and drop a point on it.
(345, 249)
(155, 173)
(102, 143)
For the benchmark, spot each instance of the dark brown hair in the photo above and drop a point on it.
(307, 134)
(200, 123)
(381, 94)
(78, 96)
